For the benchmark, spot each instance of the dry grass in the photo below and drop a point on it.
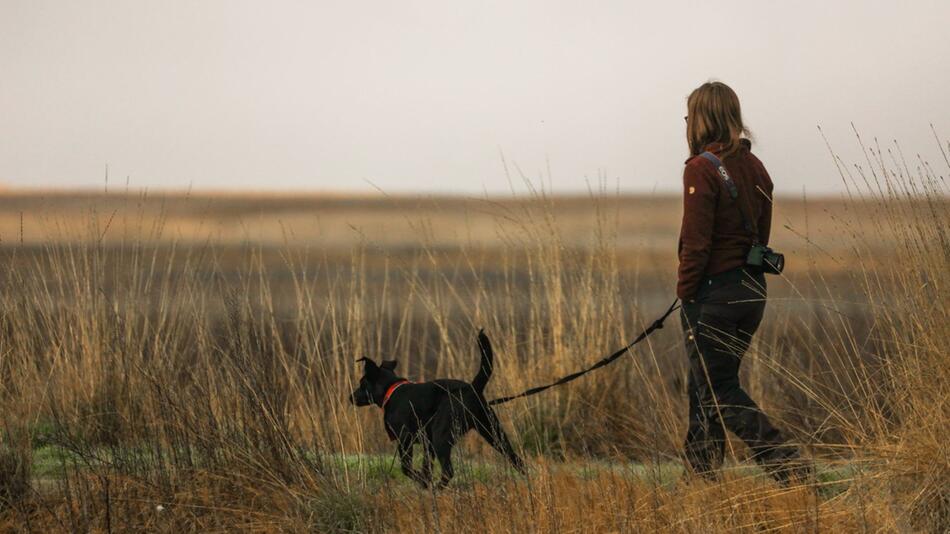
(194, 353)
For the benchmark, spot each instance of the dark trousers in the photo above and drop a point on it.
(718, 327)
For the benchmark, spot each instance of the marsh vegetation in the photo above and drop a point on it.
(176, 362)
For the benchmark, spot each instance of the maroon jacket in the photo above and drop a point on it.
(713, 238)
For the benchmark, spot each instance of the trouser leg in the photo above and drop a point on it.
(705, 436)
(718, 335)
(705, 439)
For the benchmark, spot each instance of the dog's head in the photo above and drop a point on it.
(373, 384)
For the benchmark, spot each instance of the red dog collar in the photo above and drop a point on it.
(390, 390)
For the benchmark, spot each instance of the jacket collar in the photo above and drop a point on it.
(392, 389)
(716, 148)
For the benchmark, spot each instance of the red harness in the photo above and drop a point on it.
(389, 392)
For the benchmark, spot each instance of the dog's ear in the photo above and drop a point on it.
(369, 366)
(389, 364)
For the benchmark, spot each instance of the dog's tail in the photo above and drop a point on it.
(485, 368)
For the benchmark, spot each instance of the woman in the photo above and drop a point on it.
(723, 299)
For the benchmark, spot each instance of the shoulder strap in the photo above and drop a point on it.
(733, 192)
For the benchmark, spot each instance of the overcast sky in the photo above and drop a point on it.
(415, 96)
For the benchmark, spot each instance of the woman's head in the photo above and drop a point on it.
(714, 116)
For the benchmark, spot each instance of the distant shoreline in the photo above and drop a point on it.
(304, 194)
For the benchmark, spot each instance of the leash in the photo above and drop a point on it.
(609, 359)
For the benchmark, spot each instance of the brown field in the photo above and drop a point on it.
(194, 352)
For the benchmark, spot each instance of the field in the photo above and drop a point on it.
(181, 361)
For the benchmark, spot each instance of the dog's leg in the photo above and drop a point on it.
(490, 428)
(443, 451)
(427, 454)
(441, 434)
(405, 458)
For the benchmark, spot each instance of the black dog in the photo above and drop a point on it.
(435, 414)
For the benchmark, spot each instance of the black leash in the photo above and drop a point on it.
(571, 377)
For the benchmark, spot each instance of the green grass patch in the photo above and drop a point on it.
(49, 462)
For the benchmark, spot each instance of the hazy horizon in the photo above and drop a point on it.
(119, 189)
(427, 96)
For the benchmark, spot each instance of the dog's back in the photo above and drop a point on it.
(445, 402)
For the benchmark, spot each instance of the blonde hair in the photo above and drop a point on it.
(714, 116)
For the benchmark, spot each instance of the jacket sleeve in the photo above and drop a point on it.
(700, 191)
(764, 224)
(765, 218)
